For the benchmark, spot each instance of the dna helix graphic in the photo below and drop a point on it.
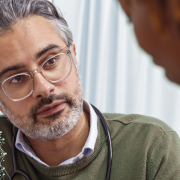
(2, 155)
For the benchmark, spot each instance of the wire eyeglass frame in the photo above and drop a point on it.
(31, 73)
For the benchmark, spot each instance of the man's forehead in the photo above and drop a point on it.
(31, 26)
(29, 39)
(27, 34)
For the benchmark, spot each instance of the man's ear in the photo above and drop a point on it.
(175, 9)
(126, 5)
(158, 16)
(74, 53)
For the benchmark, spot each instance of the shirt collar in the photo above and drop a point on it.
(93, 132)
(23, 145)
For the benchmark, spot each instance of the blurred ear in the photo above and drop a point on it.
(158, 16)
(74, 53)
(175, 5)
(126, 5)
(175, 10)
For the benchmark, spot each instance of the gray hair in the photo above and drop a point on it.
(13, 10)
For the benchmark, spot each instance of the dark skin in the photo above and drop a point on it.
(156, 25)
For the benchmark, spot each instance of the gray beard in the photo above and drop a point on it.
(58, 125)
(56, 129)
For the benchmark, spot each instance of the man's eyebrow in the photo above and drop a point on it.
(11, 68)
(47, 48)
(19, 66)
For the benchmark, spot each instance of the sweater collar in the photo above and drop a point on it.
(71, 168)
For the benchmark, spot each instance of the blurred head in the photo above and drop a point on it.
(32, 35)
(156, 25)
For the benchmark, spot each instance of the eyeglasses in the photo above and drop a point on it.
(56, 68)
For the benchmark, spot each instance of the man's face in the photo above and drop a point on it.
(164, 49)
(53, 109)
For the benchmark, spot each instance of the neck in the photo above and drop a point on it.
(70, 145)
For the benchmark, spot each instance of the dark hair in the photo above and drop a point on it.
(13, 10)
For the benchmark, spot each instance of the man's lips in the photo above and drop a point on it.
(52, 108)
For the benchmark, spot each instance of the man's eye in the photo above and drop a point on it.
(50, 63)
(17, 79)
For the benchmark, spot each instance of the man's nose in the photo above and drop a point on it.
(42, 87)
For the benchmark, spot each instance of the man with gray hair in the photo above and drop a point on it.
(48, 131)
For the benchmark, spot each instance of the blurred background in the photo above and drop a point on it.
(117, 75)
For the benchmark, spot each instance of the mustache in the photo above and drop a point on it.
(49, 100)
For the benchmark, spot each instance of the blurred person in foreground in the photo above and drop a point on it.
(58, 135)
(157, 28)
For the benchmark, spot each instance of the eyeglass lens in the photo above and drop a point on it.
(54, 69)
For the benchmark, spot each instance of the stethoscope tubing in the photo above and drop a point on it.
(16, 170)
(109, 142)
(108, 136)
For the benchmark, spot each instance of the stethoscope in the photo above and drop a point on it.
(108, 137)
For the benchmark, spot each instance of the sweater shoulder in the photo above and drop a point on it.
(4, 122)
(137, 121)
(143, 130)
(6, 128)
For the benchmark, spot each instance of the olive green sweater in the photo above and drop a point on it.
(144, 148)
